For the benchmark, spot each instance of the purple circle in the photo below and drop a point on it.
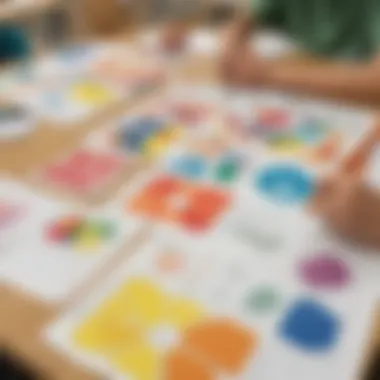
(324, 271)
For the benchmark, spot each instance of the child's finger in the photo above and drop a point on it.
(324, 193)
(355, 163)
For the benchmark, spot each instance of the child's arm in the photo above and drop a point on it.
(347, 205)
(351, 210)
(355, 81)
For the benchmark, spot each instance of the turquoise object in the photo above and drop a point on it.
(311, 131)
(285, 184)
(191, 167)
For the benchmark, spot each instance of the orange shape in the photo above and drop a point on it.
(155, 198)
(180, 365)
(205, 205)
(169, 262)
(191, 205)
(328, 150)
(226, 344)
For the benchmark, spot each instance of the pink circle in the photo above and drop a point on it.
(326, 272)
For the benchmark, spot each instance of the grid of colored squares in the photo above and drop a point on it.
(84, 171)
(225, 169)
(306, 136)
(194, 207)
(146, 135)
(80, 233)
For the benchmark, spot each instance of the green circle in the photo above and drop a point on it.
(263, 300)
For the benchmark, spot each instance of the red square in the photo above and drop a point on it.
(84, 171)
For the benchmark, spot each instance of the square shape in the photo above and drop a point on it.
(84, 171)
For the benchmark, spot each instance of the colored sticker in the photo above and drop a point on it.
(84, 171)
(189, 113)
(189, 166)
(262, 300)
(140, 133)
(191, 206)
(91, 93)
(312, 131)
(169, 262)
(271, 121)
(228, 168)
(82, 234)
(286, 144)
(326, 272)
(310, 326)
(285, 184)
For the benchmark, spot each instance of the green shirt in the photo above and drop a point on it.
(347, 29)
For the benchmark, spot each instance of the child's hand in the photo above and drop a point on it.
(241, 67)
(350, 209)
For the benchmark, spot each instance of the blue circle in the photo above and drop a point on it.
(285, 184)
(191, 167)
(310, 326)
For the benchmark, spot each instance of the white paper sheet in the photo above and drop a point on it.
(48, 269)
(220, 279)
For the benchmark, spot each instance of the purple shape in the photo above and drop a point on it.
(326, 272)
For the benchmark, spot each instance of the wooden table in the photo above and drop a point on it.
(11, 9)
(22, 318)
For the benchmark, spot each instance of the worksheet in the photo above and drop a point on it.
(181, 310)
(49, 248)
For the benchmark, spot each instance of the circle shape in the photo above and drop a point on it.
(263, 300)
(285, 184)
(324, 271)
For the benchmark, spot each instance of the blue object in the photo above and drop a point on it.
(191, 167)
(285, 184)
(310, 326)
(311, 131)
(134, 132)
(14, 44)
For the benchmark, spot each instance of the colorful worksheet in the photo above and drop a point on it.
(75, 99)
(178, 310)
(49, 248)
(314, 133)
(153, 129)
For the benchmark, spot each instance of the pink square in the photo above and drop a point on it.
(84, 171)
